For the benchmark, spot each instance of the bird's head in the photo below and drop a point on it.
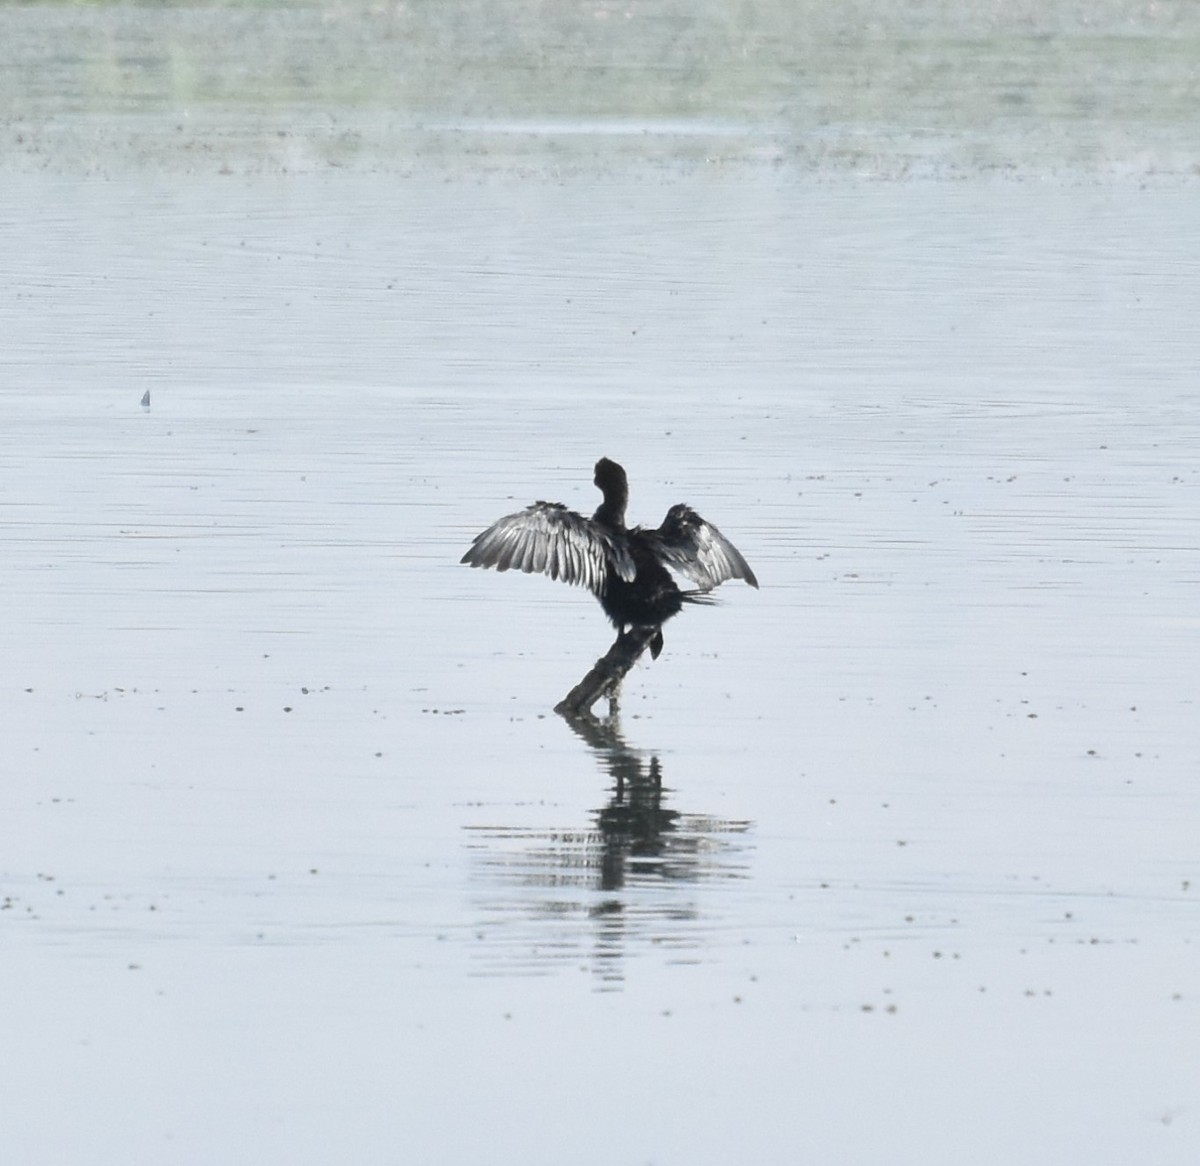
(609, 474)
(612, 483)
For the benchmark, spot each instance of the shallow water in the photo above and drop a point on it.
(289, 829)
(892, 860)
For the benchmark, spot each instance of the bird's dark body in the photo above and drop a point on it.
(627, 570)
(650, 598)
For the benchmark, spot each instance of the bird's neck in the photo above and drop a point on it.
(611, 513)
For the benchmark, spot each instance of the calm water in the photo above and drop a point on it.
(284, 783)
(893, 860)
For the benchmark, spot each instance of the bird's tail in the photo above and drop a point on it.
(704, 598)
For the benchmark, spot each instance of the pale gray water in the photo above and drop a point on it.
(941, 763)
(891, 861)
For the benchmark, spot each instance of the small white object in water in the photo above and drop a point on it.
(146, 399)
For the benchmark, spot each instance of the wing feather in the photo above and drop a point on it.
(549, 539)
(697, 549)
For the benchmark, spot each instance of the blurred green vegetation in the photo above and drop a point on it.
(802, 71)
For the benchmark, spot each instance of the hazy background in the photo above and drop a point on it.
(885, 88)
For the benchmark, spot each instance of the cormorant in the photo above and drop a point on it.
(625, 569)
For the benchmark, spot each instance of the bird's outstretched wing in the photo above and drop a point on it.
(549, 538)
(697, 549)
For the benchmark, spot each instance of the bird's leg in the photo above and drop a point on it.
(656, 644)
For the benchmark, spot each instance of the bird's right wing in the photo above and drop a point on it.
(548, 538)
(697, 549)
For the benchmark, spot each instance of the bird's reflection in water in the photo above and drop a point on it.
(636, 879)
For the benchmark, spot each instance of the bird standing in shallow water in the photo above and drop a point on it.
(625, 569)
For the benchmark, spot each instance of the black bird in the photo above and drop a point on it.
(625, 569)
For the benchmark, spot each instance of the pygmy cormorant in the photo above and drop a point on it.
(626, 569)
